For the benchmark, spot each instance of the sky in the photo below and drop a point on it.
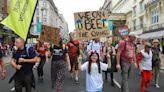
(69, 7)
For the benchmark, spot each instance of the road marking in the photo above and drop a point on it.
(118, 85)
(162, 71)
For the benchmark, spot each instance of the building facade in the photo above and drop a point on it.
(107, 6)
(6, 34)
(46, 13)
(154, 19)
(142, 16)
(138, 17)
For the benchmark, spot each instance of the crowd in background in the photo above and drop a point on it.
(92, 56)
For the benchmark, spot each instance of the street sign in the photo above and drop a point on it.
(91, 24)
(50, 35)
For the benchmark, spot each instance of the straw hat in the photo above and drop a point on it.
(155, 41)
(147, 45)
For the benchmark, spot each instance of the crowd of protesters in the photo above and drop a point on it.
(92, 56)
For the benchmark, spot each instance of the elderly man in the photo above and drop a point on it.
(125, 57)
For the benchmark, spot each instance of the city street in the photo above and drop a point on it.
(116, 32)
(70, 86)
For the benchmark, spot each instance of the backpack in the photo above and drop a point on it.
(27, 51)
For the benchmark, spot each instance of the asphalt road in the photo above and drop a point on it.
(70, 86)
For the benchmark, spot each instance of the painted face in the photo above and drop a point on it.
(94, 57)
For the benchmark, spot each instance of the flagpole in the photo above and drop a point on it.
(31, 21)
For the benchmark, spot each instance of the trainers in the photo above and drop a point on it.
(77, 81)
(12, 89)
(157, 86)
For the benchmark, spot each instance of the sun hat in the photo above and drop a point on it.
(155, 41)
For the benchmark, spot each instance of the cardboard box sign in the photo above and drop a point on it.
(87, 22)
(50, 35)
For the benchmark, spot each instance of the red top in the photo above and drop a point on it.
(139, 57)
(128, 51)
(42, 50)
(73, 49)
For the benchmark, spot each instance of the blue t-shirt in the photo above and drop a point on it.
(26, 67)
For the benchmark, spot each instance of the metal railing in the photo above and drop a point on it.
(155, 27)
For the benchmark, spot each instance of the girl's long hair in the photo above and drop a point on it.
(90, 63)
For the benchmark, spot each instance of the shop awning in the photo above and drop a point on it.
(152, 35)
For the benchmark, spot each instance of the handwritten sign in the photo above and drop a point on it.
(50, 35)
(92, 34)
(91, 24)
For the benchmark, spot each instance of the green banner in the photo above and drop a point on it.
(20, 16)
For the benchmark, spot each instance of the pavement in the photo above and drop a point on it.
(70, 85)
(162, 61)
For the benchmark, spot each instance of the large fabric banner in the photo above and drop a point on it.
(20, 16)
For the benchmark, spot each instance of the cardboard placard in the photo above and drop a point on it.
(91, 22)
(50, 35)
(82, 35)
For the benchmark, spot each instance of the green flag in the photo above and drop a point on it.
(20, 16)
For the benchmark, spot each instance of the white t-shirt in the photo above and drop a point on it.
(94, 46)
(94, 80)
(146, 62)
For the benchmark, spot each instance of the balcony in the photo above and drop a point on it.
(150, 3)
(153, 28)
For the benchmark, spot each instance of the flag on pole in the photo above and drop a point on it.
(20, 16)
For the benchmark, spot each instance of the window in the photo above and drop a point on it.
(134, 11)
(37, 19)
(141, 6)
(134, 1)
(44, 12)
(45, 20)
(134, 24)
(141, 22)
(44, 4)
(155, 16)
(37, 11)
